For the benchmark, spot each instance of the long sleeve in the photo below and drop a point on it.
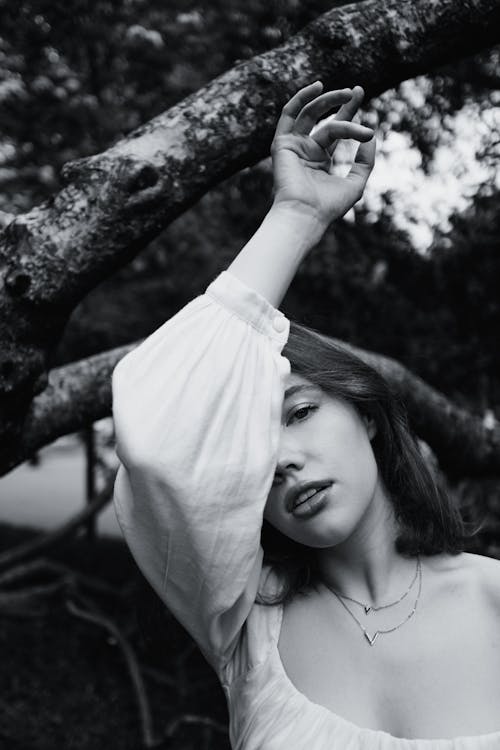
(197, 412)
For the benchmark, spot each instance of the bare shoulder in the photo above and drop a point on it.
(483, 573)
(487, 573)
(467, 572)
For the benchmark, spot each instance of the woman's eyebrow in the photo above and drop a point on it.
(296, 388)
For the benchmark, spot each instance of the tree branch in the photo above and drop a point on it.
(113, 203)
(81, 393)
(90, 614)
(463, 445)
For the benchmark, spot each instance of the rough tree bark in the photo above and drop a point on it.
(113, 203)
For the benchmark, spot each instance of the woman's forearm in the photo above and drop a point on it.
(270, 259)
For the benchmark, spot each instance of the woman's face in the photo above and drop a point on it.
(325, 440)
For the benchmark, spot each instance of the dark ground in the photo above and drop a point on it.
(64, 682)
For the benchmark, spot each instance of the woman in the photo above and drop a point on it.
(377, 627)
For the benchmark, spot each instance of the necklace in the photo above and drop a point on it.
(369, 607)
(372, 638)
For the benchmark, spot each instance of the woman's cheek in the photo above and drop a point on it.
(366, 475)
(271, 511)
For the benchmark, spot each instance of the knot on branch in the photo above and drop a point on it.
(145, 177)
(140, 181)
(17, 283)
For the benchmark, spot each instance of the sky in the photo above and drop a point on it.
(423, 200)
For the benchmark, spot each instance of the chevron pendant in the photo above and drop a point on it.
(371, 638)
(367, 609)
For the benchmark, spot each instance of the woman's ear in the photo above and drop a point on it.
(371, 426)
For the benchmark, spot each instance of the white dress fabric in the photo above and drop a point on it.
(197, 411)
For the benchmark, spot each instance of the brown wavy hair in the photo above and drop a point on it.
(428, 521)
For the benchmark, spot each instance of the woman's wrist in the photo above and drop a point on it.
(270, 259)
(305, 220)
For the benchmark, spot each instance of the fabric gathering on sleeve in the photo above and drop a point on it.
(197, 413)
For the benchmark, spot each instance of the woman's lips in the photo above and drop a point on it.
(312, 505)
(296, 494)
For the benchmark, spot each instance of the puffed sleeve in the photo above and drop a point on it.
(197, 413)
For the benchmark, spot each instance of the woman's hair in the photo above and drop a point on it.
(428, 521)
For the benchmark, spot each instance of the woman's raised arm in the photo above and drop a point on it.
(197, 406)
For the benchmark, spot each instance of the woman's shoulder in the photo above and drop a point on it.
(486, 571)
(468, 572)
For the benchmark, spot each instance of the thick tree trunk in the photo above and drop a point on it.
(115, 202)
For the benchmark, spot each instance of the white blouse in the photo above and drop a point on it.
(197, 412)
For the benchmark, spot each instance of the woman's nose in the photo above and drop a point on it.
(290, 458)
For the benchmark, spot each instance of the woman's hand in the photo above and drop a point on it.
(302, 163)
(308, 196)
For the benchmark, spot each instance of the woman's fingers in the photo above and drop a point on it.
(302, 112)
(363, 164)
(333, 130)
(349, 109)
(293, 107)
(311, 112)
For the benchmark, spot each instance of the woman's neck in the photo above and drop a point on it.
(367, 565)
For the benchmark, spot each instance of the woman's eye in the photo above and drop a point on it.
(300, 414)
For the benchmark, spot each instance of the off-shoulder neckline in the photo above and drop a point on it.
(366, 731)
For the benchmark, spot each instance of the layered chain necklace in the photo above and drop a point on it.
(370, 608)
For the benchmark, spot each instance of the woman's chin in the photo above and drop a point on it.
(323, 531)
